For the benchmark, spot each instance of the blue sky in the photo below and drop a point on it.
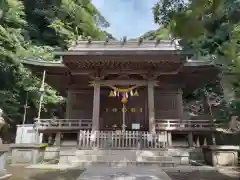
(130, 18)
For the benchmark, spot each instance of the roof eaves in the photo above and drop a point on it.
(199, 63)
(42, 63)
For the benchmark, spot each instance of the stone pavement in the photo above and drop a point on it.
(124, 173)
(21, 173)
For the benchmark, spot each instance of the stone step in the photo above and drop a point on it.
(67, 159)
(148, 156)
(156, 159)
(169, 152)
(84, 164)
(124, 157)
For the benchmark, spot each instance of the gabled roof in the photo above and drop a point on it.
(122, 48)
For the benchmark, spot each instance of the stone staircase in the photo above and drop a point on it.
(85, 158)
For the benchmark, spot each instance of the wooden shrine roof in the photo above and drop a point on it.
(193, 74)
(152, 56)
(122, 48)
(134, 55)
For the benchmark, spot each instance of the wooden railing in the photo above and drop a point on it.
(63, 124)
(121, 140)
(184, 125)
(161, 124)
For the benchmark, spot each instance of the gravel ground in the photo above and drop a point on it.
(202, 175)
(21, 173)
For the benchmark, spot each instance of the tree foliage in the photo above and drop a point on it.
(162, 33)
(32, 29)
(209, 28)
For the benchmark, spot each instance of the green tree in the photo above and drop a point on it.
(32, 29)
(209, 28)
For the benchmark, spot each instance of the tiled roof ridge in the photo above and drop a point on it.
(108, 44)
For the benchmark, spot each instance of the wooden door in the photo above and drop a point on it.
(136, 111)
(110, 113)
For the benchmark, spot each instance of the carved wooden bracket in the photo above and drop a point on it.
(98, 74)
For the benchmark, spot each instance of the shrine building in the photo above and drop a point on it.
(124, 86)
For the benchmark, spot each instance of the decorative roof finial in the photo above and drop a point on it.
(124, 40)
(140, 40)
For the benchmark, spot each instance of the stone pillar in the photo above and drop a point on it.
(96, 107)
(190, 139)
(169, 139)
(58, 139)
(151, 110)
(68, 105)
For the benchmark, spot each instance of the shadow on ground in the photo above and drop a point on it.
(20, 173)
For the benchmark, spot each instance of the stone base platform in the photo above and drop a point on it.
(24, 154)
(3, 155)
(221, 155)
(169, 157)
(4, 175)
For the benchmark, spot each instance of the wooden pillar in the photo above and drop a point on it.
(151, 110)
(169, 139)
(214, 139)
(180, 103)
(190, 139)
(96, 107)
(69, 105)
(58, 139)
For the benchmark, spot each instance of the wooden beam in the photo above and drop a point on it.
(122, 82)
(82, 72)
(130, 71)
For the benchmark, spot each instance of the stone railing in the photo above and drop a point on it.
(63, 124)
(184, 125)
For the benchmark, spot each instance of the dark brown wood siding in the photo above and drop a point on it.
(81, 105)
(168, 103)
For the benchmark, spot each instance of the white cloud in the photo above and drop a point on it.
(129, 18)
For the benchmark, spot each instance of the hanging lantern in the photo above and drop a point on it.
(135, 93)
(111, 94)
